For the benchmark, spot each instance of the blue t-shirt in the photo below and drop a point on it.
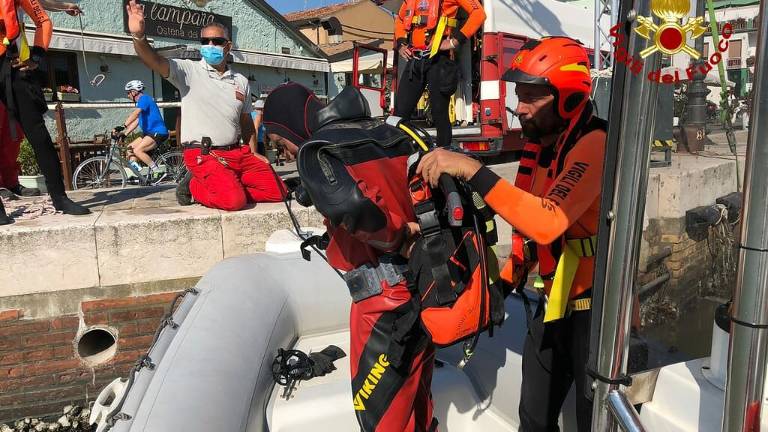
(150, 120)
(262, 129)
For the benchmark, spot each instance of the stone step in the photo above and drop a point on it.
(134, 235)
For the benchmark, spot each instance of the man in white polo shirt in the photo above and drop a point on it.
(214, 104)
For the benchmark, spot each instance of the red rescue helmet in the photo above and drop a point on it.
(559, 62)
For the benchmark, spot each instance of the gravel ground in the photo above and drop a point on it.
(74, 419)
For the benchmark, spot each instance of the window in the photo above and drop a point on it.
(734, 48)
(706, 50)
(59, 68)
(286, 50)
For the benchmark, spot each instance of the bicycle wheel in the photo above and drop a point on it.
(94, 174)
(172, 167)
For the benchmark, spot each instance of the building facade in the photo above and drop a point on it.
(336, 28)
(95, 55)
(742, 15)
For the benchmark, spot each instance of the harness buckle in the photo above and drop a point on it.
(366, 281)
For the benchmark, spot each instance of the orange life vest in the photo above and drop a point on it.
(421, 13)
(549, 255)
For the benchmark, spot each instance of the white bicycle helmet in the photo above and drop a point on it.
(136, 85)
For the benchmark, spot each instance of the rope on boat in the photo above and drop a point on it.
(145, 361)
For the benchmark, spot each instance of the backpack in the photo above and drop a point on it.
(452, 272)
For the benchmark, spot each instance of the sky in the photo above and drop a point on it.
(285, 6)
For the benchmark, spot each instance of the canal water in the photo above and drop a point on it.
(682, 339)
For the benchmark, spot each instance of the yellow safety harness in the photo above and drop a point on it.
(557, 302)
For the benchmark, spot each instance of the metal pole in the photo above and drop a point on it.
(597, 56)
(624, 187)
(695, 123)
(747, 353)
(626, 416)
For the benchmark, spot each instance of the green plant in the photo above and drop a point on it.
(27, 159)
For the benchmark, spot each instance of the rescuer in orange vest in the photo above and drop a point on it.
(426, 37)
(23, 97)
(554, 206)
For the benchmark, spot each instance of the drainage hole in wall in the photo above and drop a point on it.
(96, 345)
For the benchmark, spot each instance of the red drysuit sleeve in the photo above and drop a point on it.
(390, 237)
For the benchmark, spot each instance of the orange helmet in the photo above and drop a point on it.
(560, 63)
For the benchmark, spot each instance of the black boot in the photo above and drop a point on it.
(7, 194)
(4, 219)
(25, 191)
(183, 195)
(62, 203)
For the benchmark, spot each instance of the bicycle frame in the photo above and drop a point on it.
(115, 153)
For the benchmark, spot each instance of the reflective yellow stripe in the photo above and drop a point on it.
(574, 67)
(451, 22)
(565, 273)
(438, 36)
(580, 304)
(23, 45)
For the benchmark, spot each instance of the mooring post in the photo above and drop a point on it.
(63, 141)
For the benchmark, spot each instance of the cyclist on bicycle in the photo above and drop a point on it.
(147, 117)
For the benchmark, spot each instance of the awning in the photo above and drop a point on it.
(370, 63)
(280, 61)
(104, 43)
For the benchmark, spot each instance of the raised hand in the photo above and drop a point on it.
(72, 9)
(135, 18)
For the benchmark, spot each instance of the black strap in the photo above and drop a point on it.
(6, 75)
(433, 425)
(624, 380)
(401, 331)
(320, 242)
(520, 290)
(434, 246)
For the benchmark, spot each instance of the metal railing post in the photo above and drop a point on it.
(748, 350)
(631, 119)
(623, 412)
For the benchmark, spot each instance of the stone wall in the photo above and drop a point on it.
(40, 369)
(695, 265)
(701, 264)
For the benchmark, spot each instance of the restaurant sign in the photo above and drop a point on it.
(175, 22)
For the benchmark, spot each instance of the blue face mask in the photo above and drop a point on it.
(212, 54)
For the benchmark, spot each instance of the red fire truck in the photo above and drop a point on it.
(483, 104)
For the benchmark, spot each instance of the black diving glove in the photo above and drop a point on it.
(322, 362)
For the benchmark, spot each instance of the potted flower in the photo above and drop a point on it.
(67, 93)
(30, 171)
(48, 93)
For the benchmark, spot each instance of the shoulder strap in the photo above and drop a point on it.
(586, 123)
(528, 160)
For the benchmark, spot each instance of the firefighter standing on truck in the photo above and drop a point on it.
(554, 208)
(23, 97)
(391, 392)
(426, 36)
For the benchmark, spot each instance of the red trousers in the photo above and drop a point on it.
(228, 179)
(388, 397)
(9, 151)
